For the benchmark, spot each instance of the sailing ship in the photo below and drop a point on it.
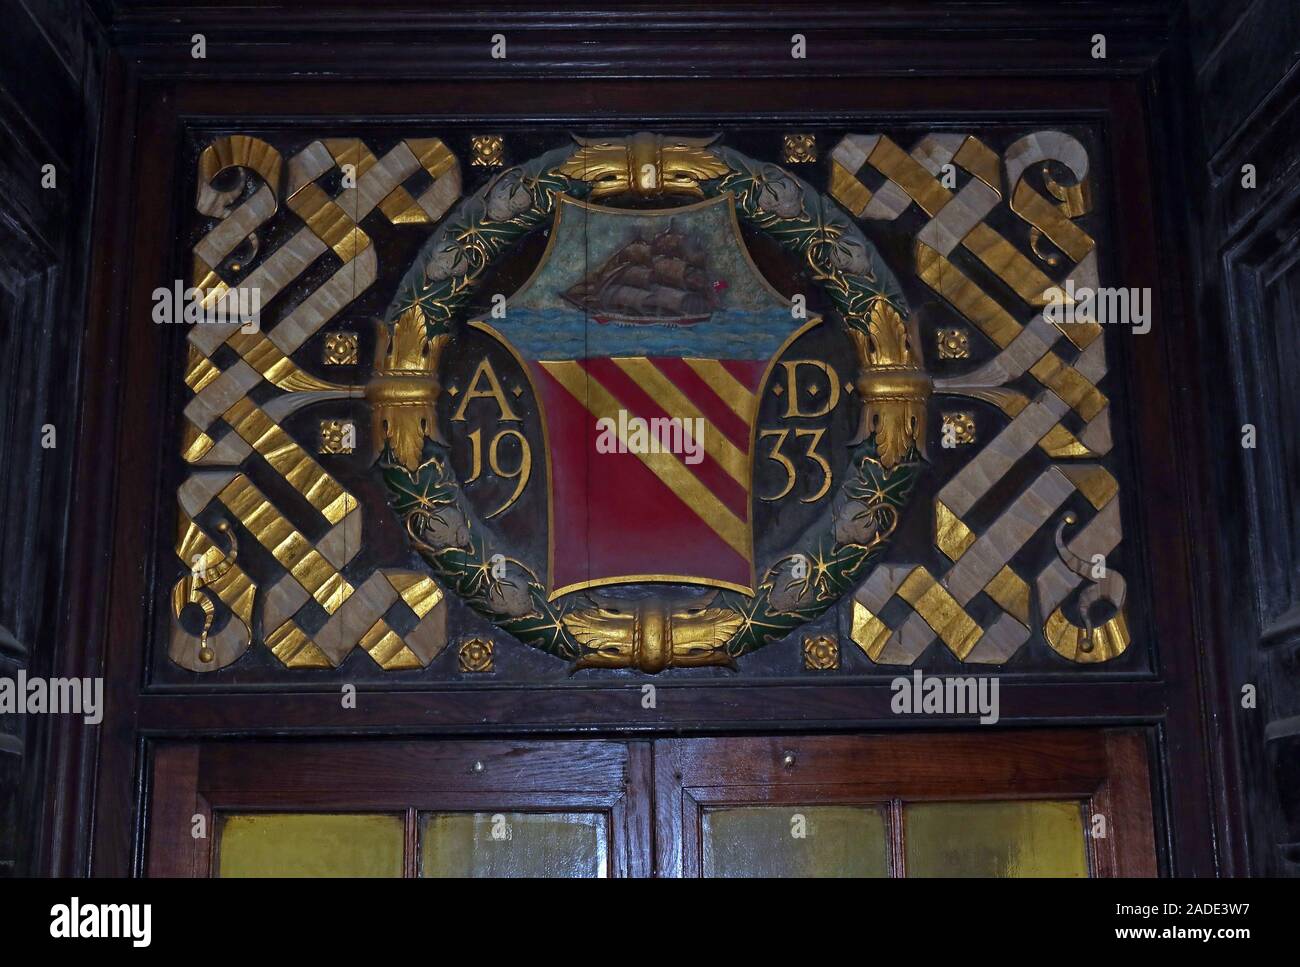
(663, 281)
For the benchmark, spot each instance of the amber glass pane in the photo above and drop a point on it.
(514, 844)
(310, 844)
(795, 841)
(994, 839)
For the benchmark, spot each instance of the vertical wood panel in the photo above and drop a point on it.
(175, 801)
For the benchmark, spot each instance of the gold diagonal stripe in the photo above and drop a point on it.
(1060, 442)
(729, 389)
(351, 151)
(1011, 593)
(286, 544)
(988, 246)
(967, 297)
(401, 209)
(330, 223)
(419, 591)
(1094, 482)
(276, 368)
(951, 535)
(199, 370)
(434, 156)
(996, 323)
(868, 632)
(676, 403)
(1069, 384)
(980, 161)
(847, 190)
(910, 175)
(665, 466)
(941, 612)
(289, 460)
(295, 649)
(1051, 221)
(1006, 262)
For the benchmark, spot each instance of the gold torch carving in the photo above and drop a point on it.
(405, 387)
(892, 384)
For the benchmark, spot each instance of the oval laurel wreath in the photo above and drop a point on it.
(849, 535)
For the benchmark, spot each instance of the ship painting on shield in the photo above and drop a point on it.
(664, 281)
(654, 314)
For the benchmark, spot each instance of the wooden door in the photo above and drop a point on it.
(1067, 803)
(1011, 804)
(404, 808)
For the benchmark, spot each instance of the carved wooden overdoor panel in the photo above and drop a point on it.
(586, 422)
(476, 432)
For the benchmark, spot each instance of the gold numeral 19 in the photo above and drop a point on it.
(520, 474)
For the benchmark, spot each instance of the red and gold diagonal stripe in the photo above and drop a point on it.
(612, 517)
(735, 384)
(723, 467)
(716, 490)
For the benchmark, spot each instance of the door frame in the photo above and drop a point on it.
(93, 813)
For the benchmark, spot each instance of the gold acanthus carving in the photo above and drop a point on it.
(653, 634)
(646, 165)
(892, 384)
(404, 391)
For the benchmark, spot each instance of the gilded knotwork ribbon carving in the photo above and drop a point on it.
(224, 426)
(982, 563)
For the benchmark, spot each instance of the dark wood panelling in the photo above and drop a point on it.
(1244, 78)
(676, 38)
(192, 779)
(50, 70)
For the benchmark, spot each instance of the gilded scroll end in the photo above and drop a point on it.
(652, 635)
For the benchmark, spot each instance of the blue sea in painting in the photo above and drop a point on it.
(555, 333)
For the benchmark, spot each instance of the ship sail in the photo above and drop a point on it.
(663, 281)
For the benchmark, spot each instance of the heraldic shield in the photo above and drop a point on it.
(648, 336)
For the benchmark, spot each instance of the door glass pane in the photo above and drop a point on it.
(995, 839)
(514, 844)
(795, 841)
(310, 844)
